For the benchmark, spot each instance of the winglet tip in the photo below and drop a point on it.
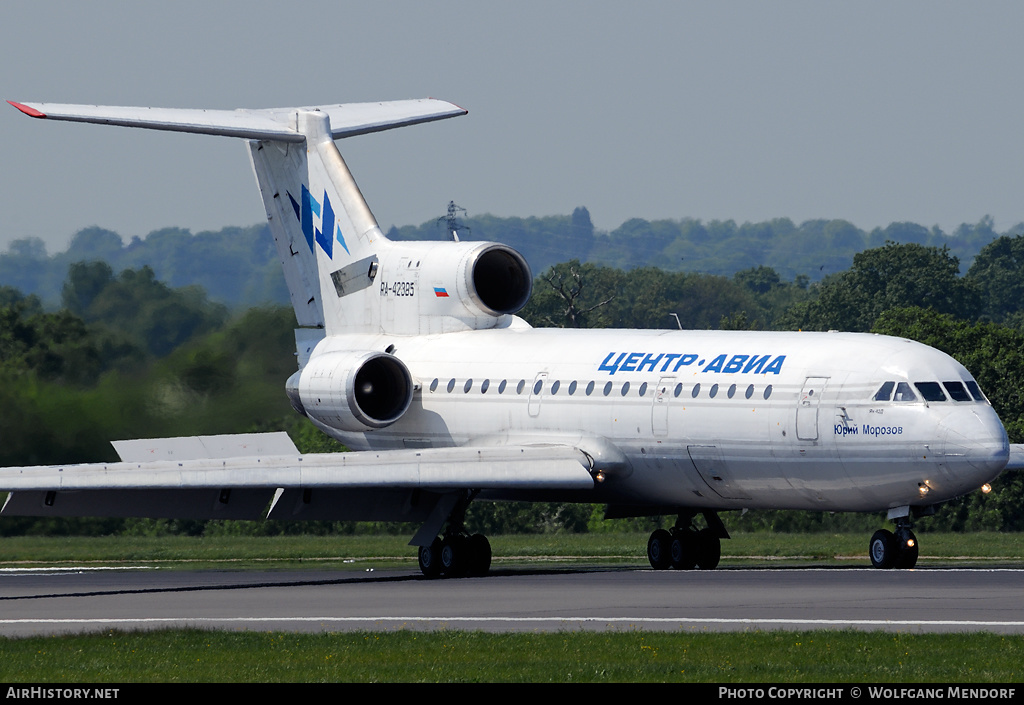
(31, 112)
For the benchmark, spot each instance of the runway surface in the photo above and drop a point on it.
(922, 600)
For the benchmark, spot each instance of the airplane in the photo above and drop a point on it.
(412, 355)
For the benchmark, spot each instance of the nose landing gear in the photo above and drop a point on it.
(894, 550)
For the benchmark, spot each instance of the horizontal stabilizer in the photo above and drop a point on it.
(280, 124)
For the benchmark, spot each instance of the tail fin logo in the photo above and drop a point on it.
(310, 210)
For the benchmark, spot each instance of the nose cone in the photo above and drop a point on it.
(976, 446)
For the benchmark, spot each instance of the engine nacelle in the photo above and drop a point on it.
(352, 390)
(442, 287)
(497, 279)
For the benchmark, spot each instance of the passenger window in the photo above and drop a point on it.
(433, 385)
(732, 391)
(590, 388)
(679, 390)
(519, 387)
(625, 388)
(572, 388)
(750, 391)
(956, 391)
(451, 385)
(538, 386)
(607, 388)
(554, 386)
(501, 387)
(643, 389)
(696, 390)
(485, 386)
(931, 391)
(975, 390)
(469, 385)
(884, 392)
(767, 391)
(904, 393)
(713, 392)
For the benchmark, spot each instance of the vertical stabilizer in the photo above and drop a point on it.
(327, 239)
(275, 164)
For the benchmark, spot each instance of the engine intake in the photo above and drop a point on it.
(500, 280)
(354, 391)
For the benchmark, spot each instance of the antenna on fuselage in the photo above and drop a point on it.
(451, 221)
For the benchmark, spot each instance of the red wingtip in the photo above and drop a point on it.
(464, 111)
(31, 112)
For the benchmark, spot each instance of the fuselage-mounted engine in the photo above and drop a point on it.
(352, 390)
(452, 286)
(498, 279)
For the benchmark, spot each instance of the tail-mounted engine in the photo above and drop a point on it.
(498, 279)
(352, 391)
(439, 287)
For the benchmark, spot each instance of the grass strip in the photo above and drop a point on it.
(471, 656)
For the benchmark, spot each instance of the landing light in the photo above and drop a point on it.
(599, 477)
(910, 543)
(923, 489)
(986, 488)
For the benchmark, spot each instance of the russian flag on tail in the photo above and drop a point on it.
(440, 292)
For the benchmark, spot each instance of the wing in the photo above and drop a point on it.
(1016, 457)
(236, 477)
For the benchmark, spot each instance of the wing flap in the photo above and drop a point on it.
(357, 504)
(237, 503)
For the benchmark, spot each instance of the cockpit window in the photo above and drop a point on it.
(904, 393)
(931, 391)
(884, 392)
(956, 391)
(975, 390)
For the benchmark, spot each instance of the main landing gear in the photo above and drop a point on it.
(684, 547)
(457, 553)
(894, 550)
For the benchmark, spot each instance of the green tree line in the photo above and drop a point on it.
(238, 267)
(129, 356)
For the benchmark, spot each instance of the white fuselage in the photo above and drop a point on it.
(412, 353)
(703, 419)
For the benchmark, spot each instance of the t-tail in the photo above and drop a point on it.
(343, 275)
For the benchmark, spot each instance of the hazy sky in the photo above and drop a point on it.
(869, 111)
